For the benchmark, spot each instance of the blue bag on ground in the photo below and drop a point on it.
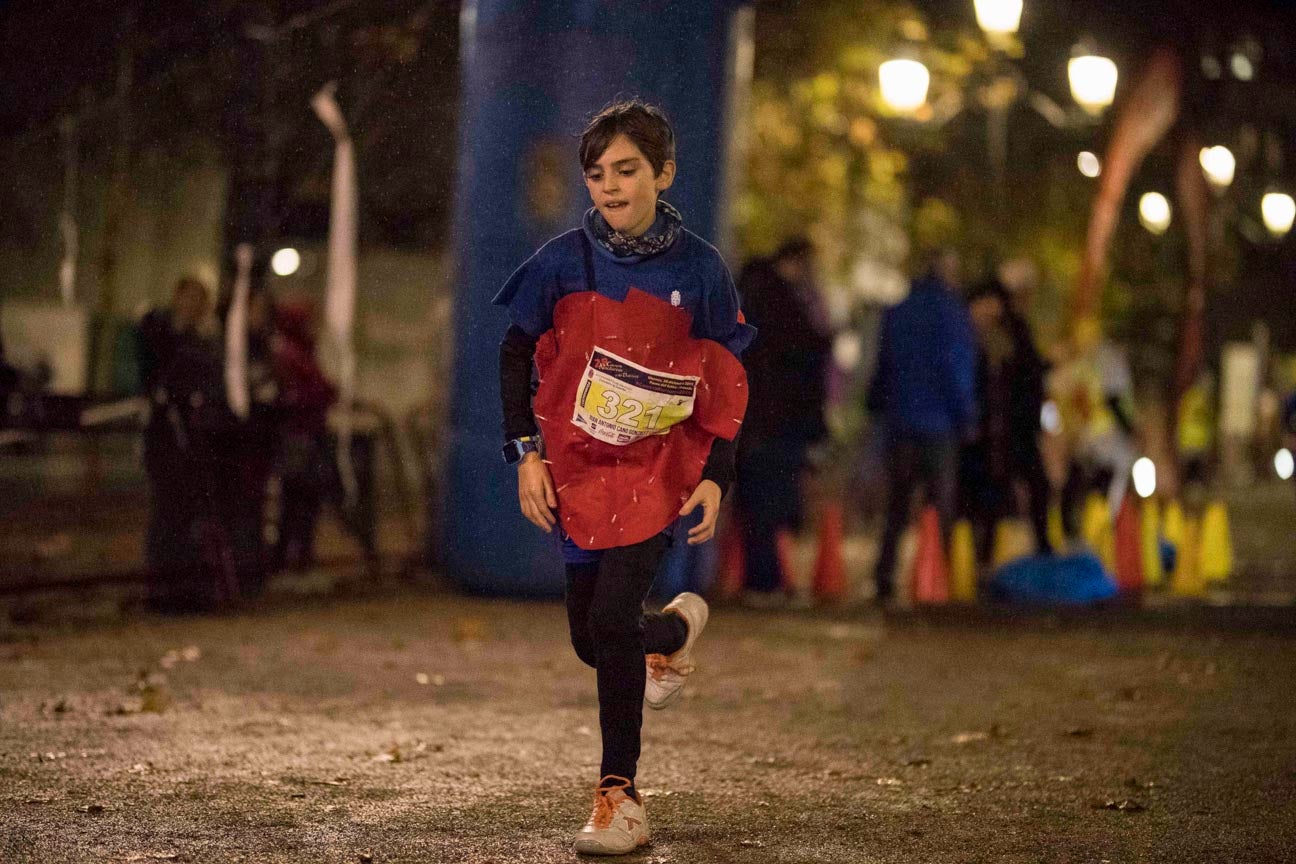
(1067, 579)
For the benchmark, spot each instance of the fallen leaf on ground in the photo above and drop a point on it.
(656, 793)
(154, 856)
(92, 808)
(753, 844)
(1080, 732)
(470, 630)
(1128, 805)
(59, 707)
(969, 737)
(920, 762)
(889, 781)
(423, 678)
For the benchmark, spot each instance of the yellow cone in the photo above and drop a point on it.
(962, 563)
(1172, 529)
(1096, 529)
(1150, 543)
(1216, 544)
(1188, 581)
(1056, 533)
(1012, 541)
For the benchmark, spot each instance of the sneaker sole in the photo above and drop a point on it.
(589, 846)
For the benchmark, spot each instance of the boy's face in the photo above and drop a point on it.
(622, 186)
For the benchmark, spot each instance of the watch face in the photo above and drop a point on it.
(512, 452)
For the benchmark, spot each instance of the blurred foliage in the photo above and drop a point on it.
(829, 159)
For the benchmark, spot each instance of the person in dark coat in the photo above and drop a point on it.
(247, 450)
(305, 397)
(1004, 449)
(923, 395)
(786, 368)
(187, 555)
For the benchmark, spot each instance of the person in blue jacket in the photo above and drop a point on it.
(923, 395)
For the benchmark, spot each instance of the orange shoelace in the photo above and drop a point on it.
(604, 807)
(660, 664)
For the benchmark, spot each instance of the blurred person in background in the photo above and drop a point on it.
(1289, 426)
(786, 367)
(247, 449)
(1095, 393)
(8, 384)
(187, 554)
(1004, 453)
(923, 396)
(1195, 433)
(304, 459)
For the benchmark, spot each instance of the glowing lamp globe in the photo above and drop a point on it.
(1154, 212)
(1093, 82)
(904, 85)
(1278, 210)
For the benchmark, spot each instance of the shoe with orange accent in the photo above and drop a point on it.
(618, 824)
(667, 673)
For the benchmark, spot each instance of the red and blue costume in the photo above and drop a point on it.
(673, 315)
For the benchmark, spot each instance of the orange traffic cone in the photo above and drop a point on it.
(1129, 554)
(830, 566)
(931, 571)
(731, 570)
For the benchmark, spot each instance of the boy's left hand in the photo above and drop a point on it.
(707, 494)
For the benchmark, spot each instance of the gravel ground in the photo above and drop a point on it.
(425, 727)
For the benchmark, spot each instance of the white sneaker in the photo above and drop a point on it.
(667, 674)
(618, 824)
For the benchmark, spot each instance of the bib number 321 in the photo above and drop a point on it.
(621, 402)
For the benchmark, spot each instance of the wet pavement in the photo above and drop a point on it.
(412, 725)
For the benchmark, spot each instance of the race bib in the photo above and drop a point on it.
(622, 402)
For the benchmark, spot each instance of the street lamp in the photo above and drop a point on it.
(1219, 165)
(285, 262)
(1093, 82)
(904, 85)
(1089, 164)
(998, 18)
(1278, 210)
(1154, 212)
(1145, 477)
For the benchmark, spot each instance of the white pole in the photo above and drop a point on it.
(236, 335)
(340, 284)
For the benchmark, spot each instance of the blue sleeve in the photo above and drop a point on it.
(531, 293)
(961, 354)
(720, 311)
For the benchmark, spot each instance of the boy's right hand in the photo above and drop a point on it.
(536, 492)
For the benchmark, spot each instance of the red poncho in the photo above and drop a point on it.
(617, 495)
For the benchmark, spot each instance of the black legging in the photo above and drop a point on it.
(611, 633)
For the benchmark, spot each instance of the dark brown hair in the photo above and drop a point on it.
(643, 124)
